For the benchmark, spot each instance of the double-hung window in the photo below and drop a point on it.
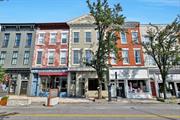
(41, 38)
(51, 57)
(88, 56)
(123, 38)
(52, 38)
(125, 56)
(28, 39)
(39, 57)
(135, 37)
(137, 55)
(76, 37)
(63, 57)
(76, 56)
(14, 57)
(17, 40)
(88, 37)
(113, 58)
(2, 57)
(6, 40)
(64, 38)
(26, 57)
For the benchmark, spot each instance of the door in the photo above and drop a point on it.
(153, 89)
(82, 88)
(120, 90)
(24, 85)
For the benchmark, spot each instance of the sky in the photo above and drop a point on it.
(34, 11)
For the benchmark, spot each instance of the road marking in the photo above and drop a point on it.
(94, 115)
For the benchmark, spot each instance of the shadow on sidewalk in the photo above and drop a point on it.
(6, 115)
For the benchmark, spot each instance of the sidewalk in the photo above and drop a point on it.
(24, 100)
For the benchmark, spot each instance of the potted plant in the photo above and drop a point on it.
(3, 101)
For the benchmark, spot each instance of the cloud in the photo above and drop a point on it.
(175, 3)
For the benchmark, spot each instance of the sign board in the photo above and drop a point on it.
(53, 93)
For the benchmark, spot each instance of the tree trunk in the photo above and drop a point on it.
(164, 89)
(99, 89)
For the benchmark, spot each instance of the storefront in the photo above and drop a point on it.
(130, 83)
(44, 80)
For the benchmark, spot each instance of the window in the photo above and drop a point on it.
(28, 39)
(145, 39)
(51, 57)
(52, 38)
(123, 38)
(2, 57)
(64, 38)
(39, 57)
(6, 40)
(93, 84)
(135, 37)
(26, 57)
(113, 58)
(125, 56)
(88, 37)
(14, 58)
(41, 38)
(76, 37)
(97, 35)
(17, 40)
(76, 56)
(63, 56)
(137, 55)
(88, 56)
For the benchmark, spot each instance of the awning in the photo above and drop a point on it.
(53, 73)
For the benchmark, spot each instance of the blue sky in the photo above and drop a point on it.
(144, 11)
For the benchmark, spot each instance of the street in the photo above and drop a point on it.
(93, 111)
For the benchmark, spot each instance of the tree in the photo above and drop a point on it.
(107, 20)
(2, 73)
(163, 47)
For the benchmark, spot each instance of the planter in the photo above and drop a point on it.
(3, 101)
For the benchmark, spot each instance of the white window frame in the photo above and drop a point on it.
(86, 49)
(73, 55)
(122, 42)
(86, 31)
(38, 39)
(135, 41)
(50, 40)
(2, 57)
(64, 50)
(26, 58)
(39, 50)
(62, 37)
(113, 58)
(137, 49)
(51, 50)
(14, 56)
(73, 37)
(123, 56)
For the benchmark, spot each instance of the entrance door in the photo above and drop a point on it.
(120, 90)
(82, 88)
(24, 85)
(153, 89)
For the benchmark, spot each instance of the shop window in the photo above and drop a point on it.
(93, 84)
(137, 86)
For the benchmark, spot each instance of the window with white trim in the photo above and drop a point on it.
(14, 57)
(88, 37)
(135, 37)
(137, 55)
(41, 38)
(52, 38)
(113, 58)
(17, 40)
(2, 57)
(28, 39)
(76, 56)
(123, 38)
(88, 56)
(76, 37)
(6, 40)
(50, 57)
(39, 57)
(64, 38)
(26, 57)
(63, 57)
(125, 56)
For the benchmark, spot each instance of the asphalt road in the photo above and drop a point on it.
(93, 111)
